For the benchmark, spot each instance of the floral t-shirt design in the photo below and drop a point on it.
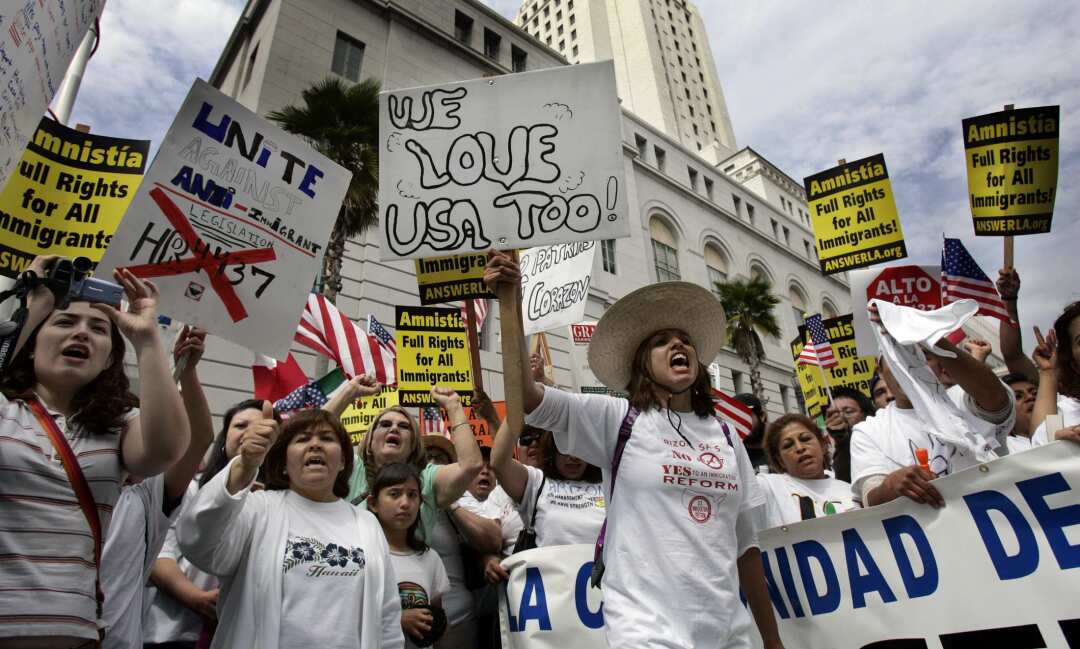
(301, 550)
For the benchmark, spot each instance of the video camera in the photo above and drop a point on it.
(68, 282)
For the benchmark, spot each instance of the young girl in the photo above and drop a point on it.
(395, 501)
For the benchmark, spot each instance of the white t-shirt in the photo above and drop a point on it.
(1069, 409)
(568, 512)
(500, 507)
(887, 441)
(322, 575)
(680, 517)
(784, 492)
(135, 537)
(421, 580)
(457, 601)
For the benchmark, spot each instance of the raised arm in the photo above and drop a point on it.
(160, 434)
(503, 277)
(452, 480)
(512, 476)
(976, 378)
(1045, 358)
(190, 343)
(484, 534)
(1010, 341)
(355, 388)
(39, 302)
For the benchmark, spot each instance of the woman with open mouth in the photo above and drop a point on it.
(300, 566)
(683, 507)
(799, 489)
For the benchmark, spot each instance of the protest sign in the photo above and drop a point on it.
(1012, 170)
(851, 369)
(583, 379)
(555, 284)
(446, 279)
(38, 39)
(231, 222)
(918, 287)
(432, 351)
(481, 430)
(67, 195)
(993, 568)
(854, 215)
(514, 161)
(358, 416)
(811, 382)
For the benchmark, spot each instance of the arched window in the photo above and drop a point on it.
(798, 303)
(828, 310)
(758, 271)
(716, 266)
(665, 250)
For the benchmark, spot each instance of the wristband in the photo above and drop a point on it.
(464, 423)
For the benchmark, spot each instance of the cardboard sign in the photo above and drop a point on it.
(851, 370)
(231, 222)
(447, 279)
(918, 287)
(480, 428)
(67, 195)
(854, 215)
(432, 351)
(555, 285)
(584, 380)
(358, 416)
(38, 39)
(1012, 170)
(514, 161)
(811, 382)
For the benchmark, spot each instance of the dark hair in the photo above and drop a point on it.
(547, 461)
(642, 395)
(864, 402)
(1068, 367)
(218, 457)
(302, 422)
(391, 475)
(772, 440)
(100, 405)
(1016, 377)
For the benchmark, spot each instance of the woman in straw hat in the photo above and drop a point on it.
(683, 506)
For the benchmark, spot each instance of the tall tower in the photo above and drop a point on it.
(663, 64)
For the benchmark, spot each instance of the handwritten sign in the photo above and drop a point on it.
(509, 162)
(38, 39)
(231, 222)
(555, 285)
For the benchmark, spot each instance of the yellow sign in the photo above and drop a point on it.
(854, 215)
(851, 370)
(446, 279)
(810, 382)
(358, 416)
(431, 351)
(69, 194)
(1012, 169)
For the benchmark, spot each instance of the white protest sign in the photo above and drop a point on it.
(549, 603)
(581, 374)
(38, 38)
(907, 285)
(231, 222)
(514, 161)
(555, 284)
(996, 567)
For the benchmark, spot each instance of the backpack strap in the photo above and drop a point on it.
(625, 427)
(536, 504)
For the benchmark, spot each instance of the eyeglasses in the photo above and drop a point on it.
(528, 440)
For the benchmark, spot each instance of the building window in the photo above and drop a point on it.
(709, 188)
(462, 27)
(642, 146)
(562, 45)
(738, 384)
(251, 65)
(828, 310)
(558, 15)
(716, 267)
(570, 7)
(547, 11)
(660, 157)
(664, 252)
(560, 30)
(785, 398)
(798, 304)
(693, 174)
(492, 44)
(518, 57)
(572, 19)
(573, 34)
(548, 40)
(775, 231)
(750, 213)
(806, 247)
(687, 91)
(738, 206)
(348, 54)
(575, 51)
(607, 255)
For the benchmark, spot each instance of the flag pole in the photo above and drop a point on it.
(474, 344)
(1008, 239)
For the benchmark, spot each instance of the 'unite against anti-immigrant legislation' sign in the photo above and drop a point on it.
(67, 195)
(432, 350)
(854, 215)
(231, 222)
(1012, 169)
(514, 161)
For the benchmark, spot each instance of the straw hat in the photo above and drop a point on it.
(667, 305)
(441, 443)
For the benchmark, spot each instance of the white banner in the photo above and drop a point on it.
(514, 161)
(913, 286)
(998, 566)
(555, 284)
(231, 222)
(38, 38)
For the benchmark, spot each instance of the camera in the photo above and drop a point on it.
(68, 281)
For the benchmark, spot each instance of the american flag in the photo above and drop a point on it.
(303, 397)
(431, 421)
(736, 412)
(386, 340)
(961, 278)
(818, 351)
(329, 332)
(480, 308)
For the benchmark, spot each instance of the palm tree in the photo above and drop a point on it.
(748, 305)
(341, 121)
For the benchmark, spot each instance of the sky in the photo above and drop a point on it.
(806, 83)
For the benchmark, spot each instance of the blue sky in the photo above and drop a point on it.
(806, 83)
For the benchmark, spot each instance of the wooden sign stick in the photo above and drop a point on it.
(474, 344)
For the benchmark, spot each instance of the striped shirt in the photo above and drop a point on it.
(47, 570)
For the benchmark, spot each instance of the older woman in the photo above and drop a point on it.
(682, 502)
(297, 556)
(65, 395)
(799, 489)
